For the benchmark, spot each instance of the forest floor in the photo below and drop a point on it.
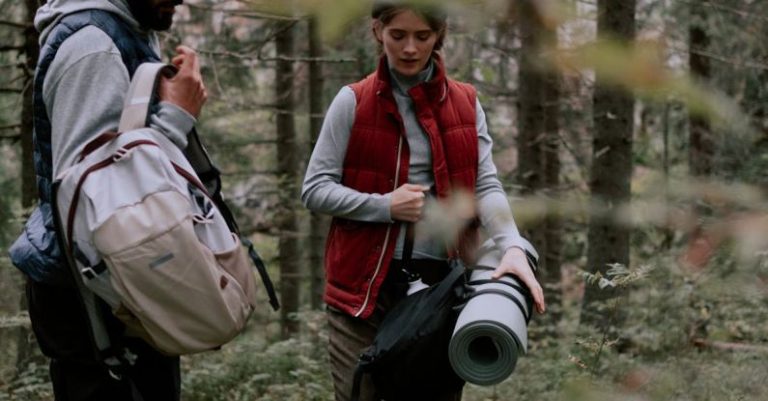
(296, 369)
(664, 311)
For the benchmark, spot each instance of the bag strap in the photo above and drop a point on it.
(108, 349)
(356, 383)
(141, 94)
(273, 301)
(407, 246)
(200, 160)
(525, 311)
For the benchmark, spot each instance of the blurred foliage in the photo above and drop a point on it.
(696, 293)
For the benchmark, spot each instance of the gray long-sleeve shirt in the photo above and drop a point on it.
(86, 84)
(323, 192)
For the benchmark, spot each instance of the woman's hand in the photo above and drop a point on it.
(515, 262)
(406, 202)
(186, 88)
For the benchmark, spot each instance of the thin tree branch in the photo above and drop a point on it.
(10, 127)
(10, 90)
(237, 144)
(260, 46)
(244, 13)
(729, 9)
(246, 56)
(311, 59)
(727, 346)
(11, 48)
(254, 194)
(247, 173)
(582, 165)
(14, 24)
(717, 6)
(743, 63)
(504, 51)
(20, 320)
(12, 65)
(738, 63)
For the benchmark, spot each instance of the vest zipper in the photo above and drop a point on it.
(386, 237)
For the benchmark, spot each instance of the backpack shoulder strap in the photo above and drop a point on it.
(141, 95)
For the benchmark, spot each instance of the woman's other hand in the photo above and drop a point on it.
(515, 262)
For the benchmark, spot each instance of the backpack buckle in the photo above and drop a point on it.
(88, 272)
(121, 154)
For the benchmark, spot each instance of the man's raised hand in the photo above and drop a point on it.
(186, 88)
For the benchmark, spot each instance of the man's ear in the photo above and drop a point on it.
(377, 27)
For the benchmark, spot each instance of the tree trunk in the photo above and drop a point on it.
(701, 142)
(539, 146)
(317, 224)
(25, 345)
(611, 169)
(287, 167)
(32, 51)
(668, 231)
(531, 109)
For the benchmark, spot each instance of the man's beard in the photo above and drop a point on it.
(151, 16)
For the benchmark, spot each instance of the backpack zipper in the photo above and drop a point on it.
(386, 237)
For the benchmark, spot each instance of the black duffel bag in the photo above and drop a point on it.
(408, 359)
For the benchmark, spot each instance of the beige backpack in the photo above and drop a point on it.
(144, 235)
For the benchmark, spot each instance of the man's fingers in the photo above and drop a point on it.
(186, 89)
(416, 187)
(177, 60)
(184, 50)
(189, 58)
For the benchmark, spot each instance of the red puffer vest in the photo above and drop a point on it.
(358, 254)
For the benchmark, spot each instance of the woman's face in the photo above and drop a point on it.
(408, 42)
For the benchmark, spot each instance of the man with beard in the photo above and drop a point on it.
(89, 51)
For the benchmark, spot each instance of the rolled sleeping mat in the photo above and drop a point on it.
(492, 328)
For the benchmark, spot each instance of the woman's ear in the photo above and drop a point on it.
(376, 28)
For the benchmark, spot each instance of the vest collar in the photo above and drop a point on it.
(435, 88)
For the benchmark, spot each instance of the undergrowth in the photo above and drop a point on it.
(686, 335)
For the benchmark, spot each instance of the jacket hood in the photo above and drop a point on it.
(49, 14)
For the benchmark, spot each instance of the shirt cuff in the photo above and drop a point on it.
(527, 248)
(174, 122)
